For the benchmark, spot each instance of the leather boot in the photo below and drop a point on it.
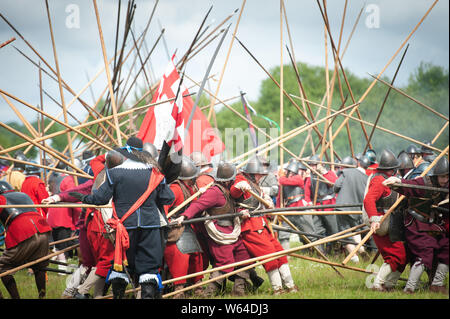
(10, 285)
(213, 287)
(118, 287)
(240, 284)
(255, 279)
(149, 290)
(39, 278)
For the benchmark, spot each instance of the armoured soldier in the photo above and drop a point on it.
(321, 193)
(413, 152)
(426, 223)
(256, 231)
(406, 164)
(26, 240)
(224, 242)
(292, 183)
(424, 161)
(183, 253)
(377, 200)
(372, 156)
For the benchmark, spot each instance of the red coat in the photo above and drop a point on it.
(34, 187)
(309, 194)
(393, 253)
(64, 217)
(295, 180)
(23, 226)
(180, 264)
(371, 169)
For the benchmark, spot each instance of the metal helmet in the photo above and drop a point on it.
(425, 149)
(151, 149)
(388, 160)
(87, 155)
(441, 167)
(412, 149)
(5, 186)
(405, 161)
(348, 160)
(21, 157)
(31, 169)
(364, 161)
(314, 158)
(225, 172)
(302, 166)
(114, 158)
(188, 169)
(371, 155)
(292, 166)
(255, 166)
(199, 159)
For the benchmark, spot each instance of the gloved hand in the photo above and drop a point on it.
(51, 199)
(243, 186)
(321, 169)
(77, 195)
(392, 180)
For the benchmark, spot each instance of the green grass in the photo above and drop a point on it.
(314, 280)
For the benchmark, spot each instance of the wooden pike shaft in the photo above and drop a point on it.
(187, 201)
(48, 167)
(108, 75)
(60, 205)
(436, 189)
(411, 98)
(391, 209)
(7, 42)
(31, 263)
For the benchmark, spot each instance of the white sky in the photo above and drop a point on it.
(79, 51)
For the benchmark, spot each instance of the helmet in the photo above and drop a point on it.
(441, 167)
(255, 166)
(151, 149)
(364, 161)
(371, 155)
(302, 166)
(388, 160)
(113, 159)
(21, 157)
(412, 149)
(31, 169)
(225, 172)
(87, 155)
(199, 159)
(405, 161)
(5, 186)
(314, 158)
(425, 149)
(348, 160)
(292, 166)
(188, 169)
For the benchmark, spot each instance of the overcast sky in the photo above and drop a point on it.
(383, 26)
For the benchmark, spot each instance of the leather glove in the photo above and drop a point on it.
(77, 195)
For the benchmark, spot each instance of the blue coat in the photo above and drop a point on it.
(127, 182)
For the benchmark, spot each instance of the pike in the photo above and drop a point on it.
(205, 78)
(7, 42)
(385, 99)
(298, 232)
(429, 188)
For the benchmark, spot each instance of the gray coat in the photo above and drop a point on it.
(349, 187)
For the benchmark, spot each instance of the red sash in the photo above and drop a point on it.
(122, 238)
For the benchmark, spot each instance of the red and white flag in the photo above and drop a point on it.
(167, 121)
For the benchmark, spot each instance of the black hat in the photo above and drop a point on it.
(133, 143)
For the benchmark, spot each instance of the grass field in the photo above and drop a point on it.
(314, 280)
